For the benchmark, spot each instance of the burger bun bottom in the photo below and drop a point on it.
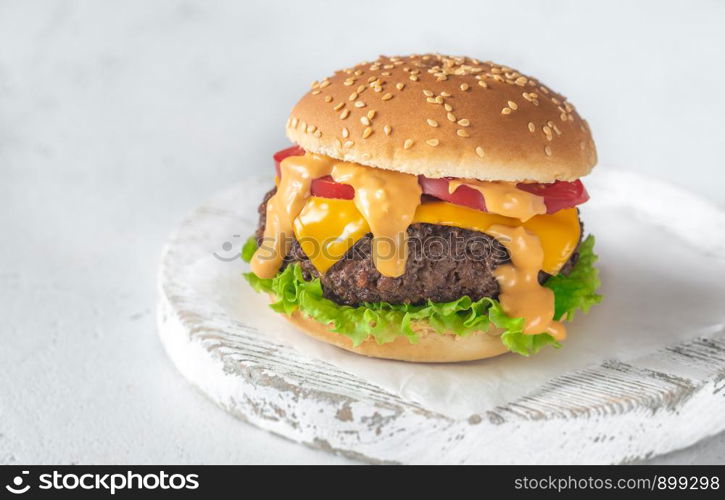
(432, 346)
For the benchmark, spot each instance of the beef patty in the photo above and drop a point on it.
(444, 263)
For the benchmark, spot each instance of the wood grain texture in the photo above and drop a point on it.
(612, 413)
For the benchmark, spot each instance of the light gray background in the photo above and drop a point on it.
(117, 118)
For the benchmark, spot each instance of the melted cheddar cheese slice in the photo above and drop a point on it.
(326, 228)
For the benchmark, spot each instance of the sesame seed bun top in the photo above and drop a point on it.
(443, 116)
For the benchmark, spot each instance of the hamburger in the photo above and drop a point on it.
(428, 211)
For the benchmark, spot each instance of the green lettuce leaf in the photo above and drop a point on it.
(578, 289)
(250, 246)
(384, 321)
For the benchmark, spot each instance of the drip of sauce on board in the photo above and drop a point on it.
(504, 198)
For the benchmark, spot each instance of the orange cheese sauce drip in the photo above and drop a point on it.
(504, 198)
(521, 294)
(388, 201)
(293, 190)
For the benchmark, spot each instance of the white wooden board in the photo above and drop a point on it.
(613, 412)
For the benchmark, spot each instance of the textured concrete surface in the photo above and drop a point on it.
(118, 118)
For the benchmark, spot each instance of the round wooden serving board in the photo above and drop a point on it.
(611, 413)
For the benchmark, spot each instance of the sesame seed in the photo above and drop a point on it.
(400, 86)
(408, 144)
(345, 133)
(294, 122)
(387, 129)
(413, 78)
(431, 100)
(372, 79)
(432, 142)
(352, 96)
(513, 105)
(359, 104)
(339, 106)
(445, 94)
(462, 133)
(361, 89)
(448, 107)
(532, 127)
(387, 97)
(428, 93)
(439, 99)
(563, 117)
(550, 123)
(371, 114)
(463, 122)
(310, 129)
(451, 117)
(325, 84)
(556, 129)
(483, 84)
(464, 87)
(547, 150)
(432, 122)
(328, 98)
(506, 111)
(367, 132)
(349, 144)
(345, 113)
(315, 92)
(315, 84)
(348, 83)
(480, 152)
(318, 133)
(338, 142)
(365, 120)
